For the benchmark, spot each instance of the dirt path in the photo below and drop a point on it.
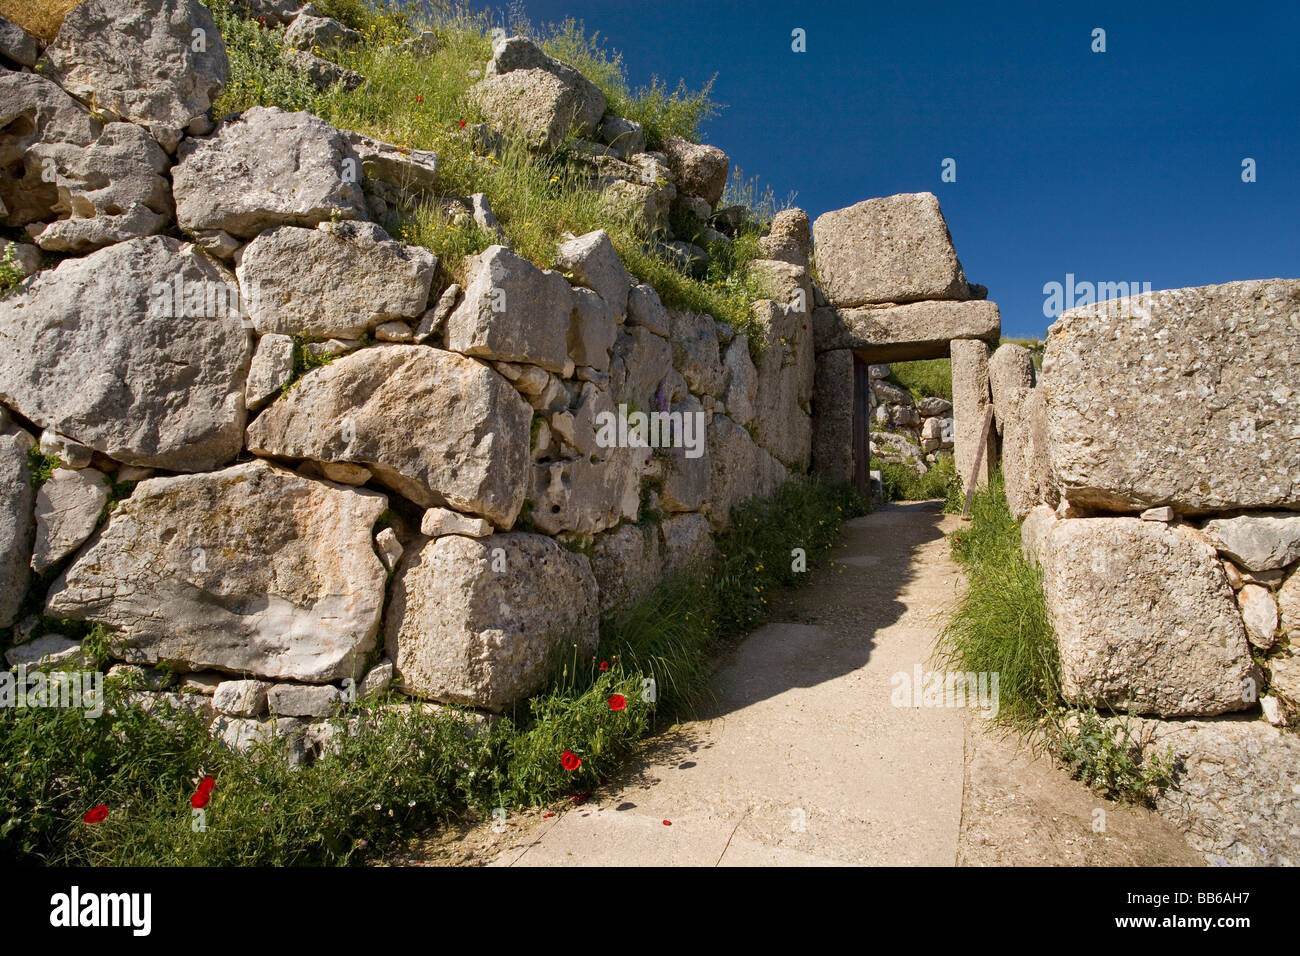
(804, 759)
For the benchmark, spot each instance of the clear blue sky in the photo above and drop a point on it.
(1115, 166)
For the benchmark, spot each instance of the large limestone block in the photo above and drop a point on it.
(688, 546)
(481, 621)
(741, 394)
(906, 333)
(1026, 467)
(738, 470)
(17, 527)
(270, 370)
(892, 249)
(135, 350)
(1018, 468)
(512, 311)
(534, 105)
(1034, 529)
(24, 49)
(789, 239)
(593, 330)
(1038, 459)
(252, 570)
(34, 113)
(627, 565)
(308, 32)
(593, 263)
(114, 189)
(832, 439)
(520, 53)
(436, 427)
(409, 171)
(1011, 371)
(695, 351)
(1236, 795)
(1145, 619)
(68, 507)
(639, 366)
(264, 168)
(156, 63)
(1184, 397)
(697, 169)
(1257, 542)
(786, 368)
(587, 494)
(686, 461)
(970, 400)
(337, 280)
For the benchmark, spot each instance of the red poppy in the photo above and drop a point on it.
(419, 99)
(462, 125)
(579, 798)
(97, 815)
(570, 761)
(604, 665)
(206, 785)
(617, 702)
(200, 799)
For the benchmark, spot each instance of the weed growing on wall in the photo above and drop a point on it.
(419, 100)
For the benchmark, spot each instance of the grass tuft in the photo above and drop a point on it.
(40, 18)
(1000, 625)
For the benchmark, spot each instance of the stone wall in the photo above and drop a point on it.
(455, 495)
(1159, 465)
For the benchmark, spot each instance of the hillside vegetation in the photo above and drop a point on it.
(418, 100)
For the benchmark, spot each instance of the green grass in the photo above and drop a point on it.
(408, 769)
(10, 273)
(419, 101)
(1000, 621)
(1000, 625)
(41, 466)
(932, 377)
(902, 483)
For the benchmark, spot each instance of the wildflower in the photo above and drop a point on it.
(604, 665)
(96, 815)
(570, 761)
(378, 807)
(617, 702)
(411, 804)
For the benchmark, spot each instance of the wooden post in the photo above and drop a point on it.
(979, 459)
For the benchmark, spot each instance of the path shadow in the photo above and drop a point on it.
(830, 626)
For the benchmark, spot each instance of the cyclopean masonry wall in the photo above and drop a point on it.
(894, 291)
(1166, 427)
(443, 505)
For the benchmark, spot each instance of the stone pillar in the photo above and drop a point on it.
(970, 398)
(832, 450)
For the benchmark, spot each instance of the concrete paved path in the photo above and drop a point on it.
(804, 759)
